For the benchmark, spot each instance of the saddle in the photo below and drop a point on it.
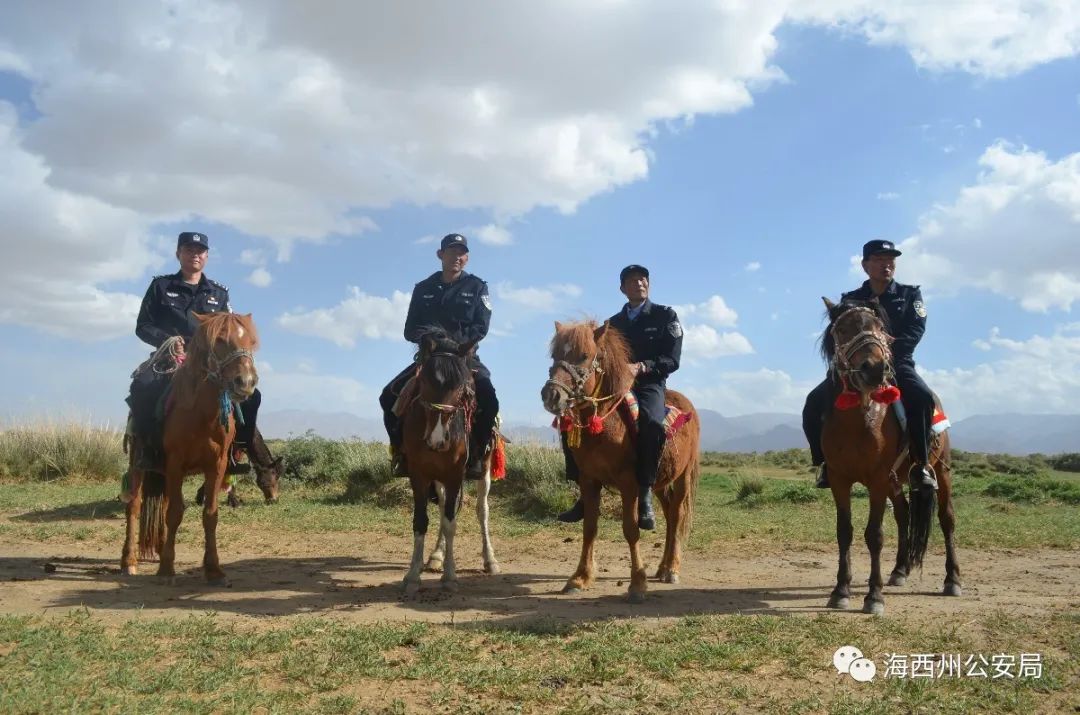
(674, 418)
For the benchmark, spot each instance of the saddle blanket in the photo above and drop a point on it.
(674, 418)
(939, 422)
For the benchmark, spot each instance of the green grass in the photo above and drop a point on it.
(780, 664)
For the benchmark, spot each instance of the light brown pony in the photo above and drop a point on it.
(589, 377)
(864, 446)
(218, 372)
(436, 446)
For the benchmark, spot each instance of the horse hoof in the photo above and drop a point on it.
(492, 568)
(952, 589)
(434, 566)
(897, 580)
(874, 608)
(667, 577)
(839, 602)
(571, 589)
(217, 581)
(450, 586)
(168, 580)
(410, 588)
(129, 570)
(635, 597)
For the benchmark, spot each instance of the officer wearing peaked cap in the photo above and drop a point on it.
(168, 311)
(655, 337)
(457, 302)
(907, 323)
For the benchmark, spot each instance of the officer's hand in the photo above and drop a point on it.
(635, 368)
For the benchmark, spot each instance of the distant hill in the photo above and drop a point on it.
(761, 432)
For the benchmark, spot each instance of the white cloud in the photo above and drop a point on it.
(493, 235)
(753, 266)
(703, 342)
(252, 257)
(260, 277)
(549, 298)
(994, 39)
(62, 247)
(741, 393)
(888, 196)
(1040, 374)
(429, 238)
(714, 311)
(303, 390)
(358, 316)
(1013, 232)
(977, 123)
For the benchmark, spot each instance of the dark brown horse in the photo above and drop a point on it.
(436, 445)
(218, 373)
(862, 443)
(268, 472)
(589, 378)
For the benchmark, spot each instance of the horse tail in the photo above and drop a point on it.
(923, 502)
(692, 475)
(152, 515)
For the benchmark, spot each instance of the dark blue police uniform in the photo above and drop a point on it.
(463, 309)
(907, 323)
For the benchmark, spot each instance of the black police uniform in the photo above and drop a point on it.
(463, 310)
(655, 337)
(168, 310)
(907, 323)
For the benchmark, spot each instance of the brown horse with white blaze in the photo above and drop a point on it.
(436, 445)
(863, 443)
(200, 425)
(588, 380)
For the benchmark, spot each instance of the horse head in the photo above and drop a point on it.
(445, 388)
(582, 354)
(224, 346)
(856, 344)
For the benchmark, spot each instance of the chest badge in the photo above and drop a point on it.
(171, 294)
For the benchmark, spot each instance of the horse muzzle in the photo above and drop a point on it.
(556, 398)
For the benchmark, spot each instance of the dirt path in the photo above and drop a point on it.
(335, 575)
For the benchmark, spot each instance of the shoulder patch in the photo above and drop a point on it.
(675, 328)
(920, 308)
(486, 300)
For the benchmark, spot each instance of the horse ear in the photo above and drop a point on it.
(599, 332)
(201, 317)
(558, 327)
(829, 305)
(466, 348)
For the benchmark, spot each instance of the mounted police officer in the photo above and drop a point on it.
(167, 314)
(907, 322)
(458, 303)
(655, 337)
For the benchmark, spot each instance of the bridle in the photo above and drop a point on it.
(579, 374)
(442, 409)
(843, 353)
(215, 365)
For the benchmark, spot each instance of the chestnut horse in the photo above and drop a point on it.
(589, 378)
(218, 373)
(863, 444)
(436, 445)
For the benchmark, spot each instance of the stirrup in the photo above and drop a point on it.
(922, 476)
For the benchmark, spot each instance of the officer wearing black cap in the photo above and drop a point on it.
(907, 323)
(168, 310)
(655, 337)
(457, 302)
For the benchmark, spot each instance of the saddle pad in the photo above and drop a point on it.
(939, 422)
(674, 418)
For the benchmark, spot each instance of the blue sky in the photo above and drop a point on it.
(746, 204)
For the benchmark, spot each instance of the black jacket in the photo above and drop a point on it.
(461, 308)
(655, 338)
(169, 303)
(907, 315)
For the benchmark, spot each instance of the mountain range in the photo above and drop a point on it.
(761, 432)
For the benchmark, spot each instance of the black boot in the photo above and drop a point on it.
(574, 514)
(398, 466)
(474, 469)
(822, 478)
(646, 519)
(922, 476)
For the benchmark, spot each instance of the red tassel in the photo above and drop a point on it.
(498, 460)
(596, 425)
(886, 395)
(847, 400)
(566, 423)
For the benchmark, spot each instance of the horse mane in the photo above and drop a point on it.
(828, 346)
(574, 342)
(444, 372)
(232, 328)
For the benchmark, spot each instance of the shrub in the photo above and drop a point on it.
(56, 451)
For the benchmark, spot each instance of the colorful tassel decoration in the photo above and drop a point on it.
(596, 425)
(886, 395)
(498, 459)
(847, 400)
